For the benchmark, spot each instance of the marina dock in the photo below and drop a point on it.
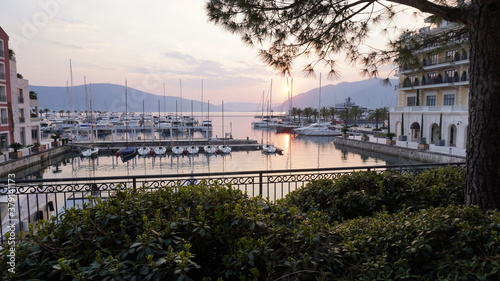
(113, 146)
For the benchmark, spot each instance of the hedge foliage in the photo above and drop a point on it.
(361, 194)
(218, 233)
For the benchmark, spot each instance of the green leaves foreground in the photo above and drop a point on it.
(363, 226)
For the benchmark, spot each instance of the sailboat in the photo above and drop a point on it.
(210, 149)
(160, 150)
(268, 147)
(127, 152)
(178, 150)
(223, 148)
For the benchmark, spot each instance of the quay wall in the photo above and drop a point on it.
(28, 161)
(408, 153)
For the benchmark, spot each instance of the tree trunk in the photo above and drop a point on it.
(483, 146)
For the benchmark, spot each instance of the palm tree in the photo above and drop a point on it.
(308, 111)
(324, 112)
(46, 110)
(379, 114)
(356, 113)
(345, 115)
(293, 112)
(331, 112)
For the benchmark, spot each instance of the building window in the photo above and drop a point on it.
(21, 115)
(451, 76)
(449, 99)
(3, 94)
(2, 71)
(20, 95)
(451, 55)
(430, 100)
(432, 59)
(3, 116)
(2, 50)
(433, 78)
(411, 101)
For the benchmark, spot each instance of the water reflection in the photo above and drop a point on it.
(298, 152)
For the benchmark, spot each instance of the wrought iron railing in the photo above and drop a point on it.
(25, 201)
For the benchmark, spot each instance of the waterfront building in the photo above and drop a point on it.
(6, 136)
(433, 93)
(20, 120)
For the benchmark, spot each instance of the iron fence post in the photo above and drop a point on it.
(260, 183)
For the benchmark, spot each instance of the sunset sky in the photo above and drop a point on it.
(153, 44)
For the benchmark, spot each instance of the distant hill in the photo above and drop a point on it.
(111, 97)
(369, 93)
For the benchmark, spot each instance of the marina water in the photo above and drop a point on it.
(299, 152)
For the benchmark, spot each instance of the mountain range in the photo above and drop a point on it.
(111, 97)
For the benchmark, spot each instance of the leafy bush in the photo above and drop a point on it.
(183, 234)
(366, 193)
(453, 243)
(219, 233)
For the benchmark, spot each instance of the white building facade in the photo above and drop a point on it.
(433, 98)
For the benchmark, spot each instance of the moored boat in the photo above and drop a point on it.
(89, 152)
(224, 149)
(268, 148)
(160, 150)
(317, 129)
(178, 150)
(210, 149)
(144, 151)
(192, 149)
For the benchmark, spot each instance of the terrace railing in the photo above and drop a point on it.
(25, 201)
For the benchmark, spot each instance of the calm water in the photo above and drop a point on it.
(298, 152)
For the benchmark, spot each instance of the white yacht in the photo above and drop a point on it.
(317, 129)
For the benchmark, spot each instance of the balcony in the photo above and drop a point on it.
(434, 82)
(438, 108)
(428, 64)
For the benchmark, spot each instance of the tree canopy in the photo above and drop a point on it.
(287, 30)
(320, 30)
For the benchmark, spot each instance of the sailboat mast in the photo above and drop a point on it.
(202, 99)
(319, 99)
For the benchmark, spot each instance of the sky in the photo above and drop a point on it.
(157, 46)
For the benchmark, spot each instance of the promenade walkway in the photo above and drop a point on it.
(461, 152)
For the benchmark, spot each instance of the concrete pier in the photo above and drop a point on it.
(406, 150)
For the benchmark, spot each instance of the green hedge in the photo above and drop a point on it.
(218, 233)
(361, 194)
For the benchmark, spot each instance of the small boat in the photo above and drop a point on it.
(268, 148)
(224, 149)
(192, 149)
(127, 151)
(178, 150)
(160, 150)
(144, 151)
(209, 149)
(90, 152)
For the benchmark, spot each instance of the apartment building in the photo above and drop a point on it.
(433, 97)
(6, 136)
(19, 117)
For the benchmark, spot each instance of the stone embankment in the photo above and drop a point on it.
(29, 161)
(428, 156)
